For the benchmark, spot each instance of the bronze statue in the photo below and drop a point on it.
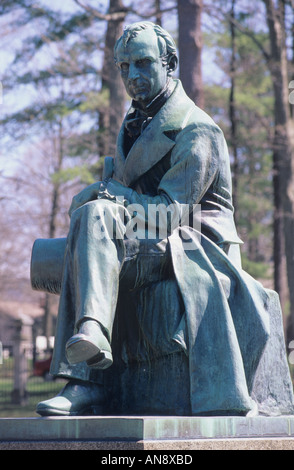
(168, 323)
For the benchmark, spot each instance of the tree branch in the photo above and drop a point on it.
(250, 34)
(240, 27)
(116, 16)
(120, 15)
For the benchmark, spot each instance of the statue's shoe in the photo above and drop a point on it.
(90, 345)
(76, 398)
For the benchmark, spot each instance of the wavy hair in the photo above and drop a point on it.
(166, 44)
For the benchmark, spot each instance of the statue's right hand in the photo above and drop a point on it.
(90, 193)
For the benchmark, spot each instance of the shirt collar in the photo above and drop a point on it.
(154, 106)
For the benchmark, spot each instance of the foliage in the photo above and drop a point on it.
(254, 108)
(256, 269)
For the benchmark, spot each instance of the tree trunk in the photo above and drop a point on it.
(190, 48)
(49, 298)
(283, 154)
(280, 266)
(110, 118)
(292, 58)
(232, 112)
(158, 12)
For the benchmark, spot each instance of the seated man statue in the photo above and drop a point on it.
(156, 315)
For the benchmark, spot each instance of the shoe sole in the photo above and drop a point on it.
(80, 349)
(102, 360)
(88, 411)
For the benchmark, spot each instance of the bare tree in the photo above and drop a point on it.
(232, 110)
(111, 116)
(190, 48)
(283, 145)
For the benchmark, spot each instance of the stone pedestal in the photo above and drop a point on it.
(124, 433)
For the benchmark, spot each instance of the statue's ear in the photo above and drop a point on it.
(172, 65)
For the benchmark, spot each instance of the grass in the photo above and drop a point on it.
(37, 390)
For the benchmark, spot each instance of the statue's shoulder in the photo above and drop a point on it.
(191, 114)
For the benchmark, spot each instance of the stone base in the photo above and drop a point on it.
(169, 447)
(147, 433)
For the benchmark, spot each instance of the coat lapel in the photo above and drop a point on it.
(154, 143)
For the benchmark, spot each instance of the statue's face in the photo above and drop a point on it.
(141, 67)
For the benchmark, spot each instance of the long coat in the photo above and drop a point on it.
(182, 158)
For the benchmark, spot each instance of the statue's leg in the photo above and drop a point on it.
(94, 268)
(95, 254)
(88, 297)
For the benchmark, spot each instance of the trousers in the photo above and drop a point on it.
(100, 261)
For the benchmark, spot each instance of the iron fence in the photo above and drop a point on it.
(25, 378)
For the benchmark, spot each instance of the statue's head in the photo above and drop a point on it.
(146, 56)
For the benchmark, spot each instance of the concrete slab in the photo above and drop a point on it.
(171, 447)
(147, 433)
(220, 444)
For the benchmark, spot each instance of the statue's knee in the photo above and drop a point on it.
(91, 208)
(102, 218)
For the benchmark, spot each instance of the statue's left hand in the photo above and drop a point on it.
(90, 193)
